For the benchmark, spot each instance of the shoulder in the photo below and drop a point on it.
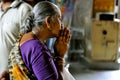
(32, 45)
(25, 6)
(32, 48)
(24, 9)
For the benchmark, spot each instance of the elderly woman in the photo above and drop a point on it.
(30, 58)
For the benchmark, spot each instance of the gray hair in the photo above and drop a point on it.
(37, 17)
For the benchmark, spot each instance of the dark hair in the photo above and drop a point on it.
(8, 0)
(40, 11)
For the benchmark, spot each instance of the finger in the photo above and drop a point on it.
(66, 31)
(67, 35)
(62, 28)
(61, 33)
(64, 37)
(68, 40)
(3, 79)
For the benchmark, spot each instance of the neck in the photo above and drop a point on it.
(5, 5)
(40, 38)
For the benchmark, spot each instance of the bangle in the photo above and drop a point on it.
(57, 58)
(60, 60)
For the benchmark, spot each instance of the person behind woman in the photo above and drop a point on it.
(12, 16)
(36, 61)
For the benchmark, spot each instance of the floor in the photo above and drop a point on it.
(82, 69)
(81, 72)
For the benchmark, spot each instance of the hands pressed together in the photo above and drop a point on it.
(62, 42)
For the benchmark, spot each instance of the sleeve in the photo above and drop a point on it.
(24, 11)
(43, 66)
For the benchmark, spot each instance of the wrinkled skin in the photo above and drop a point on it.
(62, 42)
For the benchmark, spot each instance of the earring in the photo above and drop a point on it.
(49, 28)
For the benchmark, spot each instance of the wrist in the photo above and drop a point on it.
(59, 60)
(61, 55)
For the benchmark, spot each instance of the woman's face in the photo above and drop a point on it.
(56, 26)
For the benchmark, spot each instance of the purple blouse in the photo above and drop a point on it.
(39, 60)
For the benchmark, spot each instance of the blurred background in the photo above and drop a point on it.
(94, 52)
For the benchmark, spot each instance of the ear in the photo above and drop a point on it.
(47, 21)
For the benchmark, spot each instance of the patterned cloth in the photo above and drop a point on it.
(17, 68)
